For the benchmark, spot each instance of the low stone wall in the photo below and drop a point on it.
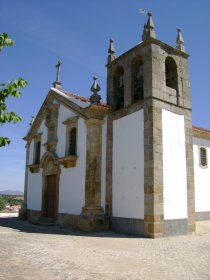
(128, 226)
(202, 216)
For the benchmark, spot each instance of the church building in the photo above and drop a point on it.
(134, 164)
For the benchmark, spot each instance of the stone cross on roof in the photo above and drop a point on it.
(57, 83)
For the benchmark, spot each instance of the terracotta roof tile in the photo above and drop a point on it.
(201, 129)
(201, 132)
(84, 99)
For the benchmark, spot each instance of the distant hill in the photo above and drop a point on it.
(8, 192)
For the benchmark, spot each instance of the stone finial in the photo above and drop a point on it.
(143, 37)
(180, 41)
(95, 97)
(111, 51)
(149, 31)
(57, 83)
(32, 120)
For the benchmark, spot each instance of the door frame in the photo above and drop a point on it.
(50, 167)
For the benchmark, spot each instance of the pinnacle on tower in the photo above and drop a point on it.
(95, 97)
(111, 51)
(143, 37)
(180, 41)
(149, 31)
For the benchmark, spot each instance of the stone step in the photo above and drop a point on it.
(44, 221)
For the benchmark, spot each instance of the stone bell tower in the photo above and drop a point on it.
(153, 78)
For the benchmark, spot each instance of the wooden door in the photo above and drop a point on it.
(51, 197)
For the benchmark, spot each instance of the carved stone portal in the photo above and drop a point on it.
(51, 123)
(50, 185)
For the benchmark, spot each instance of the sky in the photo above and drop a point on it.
(77, 32)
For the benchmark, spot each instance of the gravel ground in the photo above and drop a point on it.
(36, 252)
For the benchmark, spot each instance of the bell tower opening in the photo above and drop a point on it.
(137, 80)
(119, 88)
(171, 73)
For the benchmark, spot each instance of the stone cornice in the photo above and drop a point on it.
(68, 161)
(70, 121)
(169, 49)
(93, 111)
(96, 112)
(34, 168)
(46, 104)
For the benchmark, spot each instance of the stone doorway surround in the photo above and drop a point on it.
(51, 169)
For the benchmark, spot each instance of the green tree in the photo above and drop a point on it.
(7, 90)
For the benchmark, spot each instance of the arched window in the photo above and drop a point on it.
(203, 157)
(71, 137)
(37, 150)
(171, 73)
(119, 88)
(72, 141)
(137, 80)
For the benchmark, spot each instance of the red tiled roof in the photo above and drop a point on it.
(84, 99)
(201, 132)
(201, 129)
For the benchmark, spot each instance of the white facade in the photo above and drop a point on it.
(128, 197)
(71, 196)
(128, 166)
(174, 166)
(34, 194)
(201, 176)
(72, 180)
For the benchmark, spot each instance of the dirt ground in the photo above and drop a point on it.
(35, 252)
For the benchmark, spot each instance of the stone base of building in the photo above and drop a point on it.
(202, 216)
(102, 223)
(28, 214)
(175, 227)
(93, 223)
(128, 226)
(23, 213)
(84, 222)
(81, 222)
(33, 214)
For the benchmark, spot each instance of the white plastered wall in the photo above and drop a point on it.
(72, 180)
(34, 188)
(34, 192)
(174, 166)
(64, 113)
(201, 176)
(128, 166)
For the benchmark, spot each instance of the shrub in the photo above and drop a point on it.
(2, 202)
(11, 200)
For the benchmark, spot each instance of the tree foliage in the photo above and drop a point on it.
(7, 90)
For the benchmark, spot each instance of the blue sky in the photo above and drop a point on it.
(77, 32)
